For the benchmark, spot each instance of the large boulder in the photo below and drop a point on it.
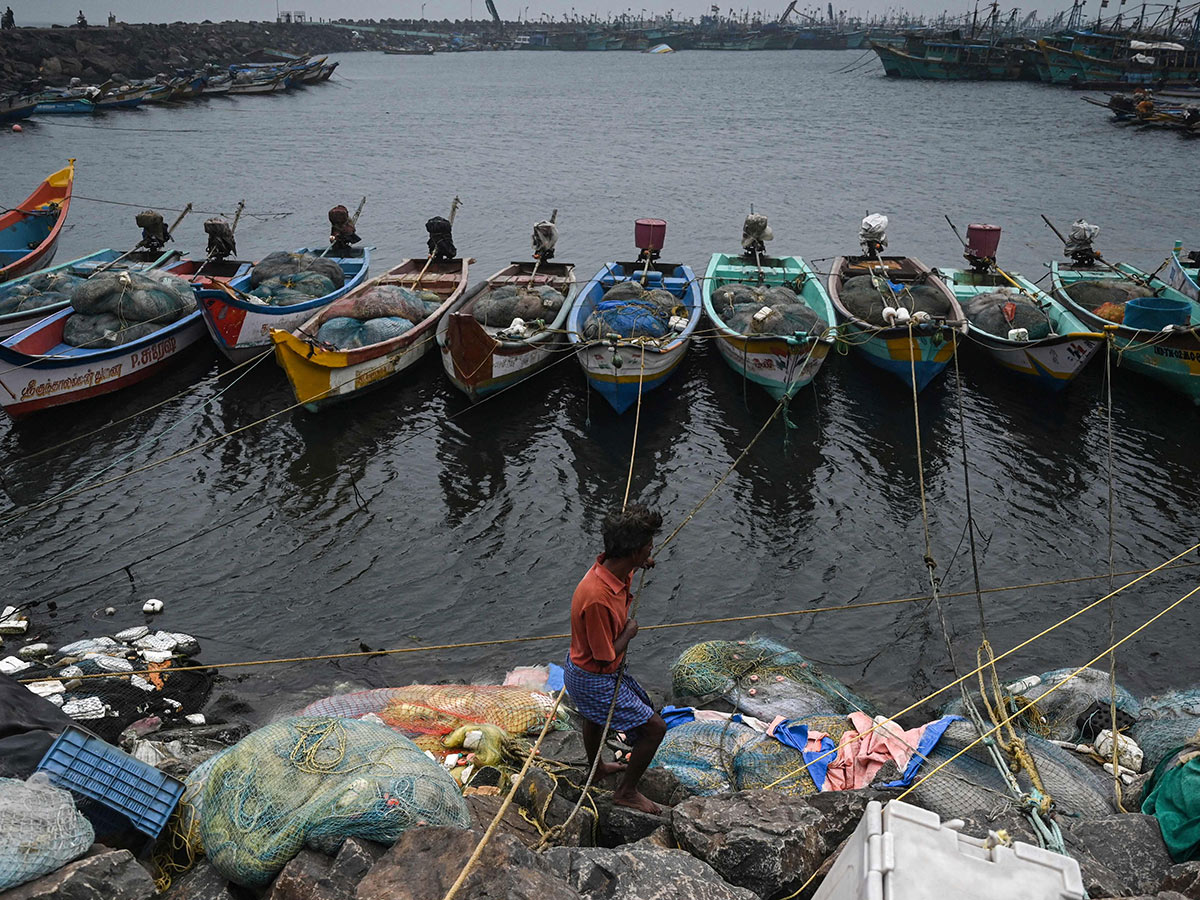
(201, 882)
(1184, 878)
(104, 875)
(762, 840)
(622, 825)
(1129, 845)
(425, 862)
(640, 873)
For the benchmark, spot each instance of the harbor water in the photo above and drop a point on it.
(409, 517)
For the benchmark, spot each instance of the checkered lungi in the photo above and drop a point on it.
(592, 694)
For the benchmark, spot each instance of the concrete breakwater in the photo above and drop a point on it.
(95, 54)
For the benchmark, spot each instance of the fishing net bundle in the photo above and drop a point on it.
(762, 678)
(287, 290)
(866, 296)
(38, 292)
(1106, 297)
(762, 309)
(498, 307)
(116, 308)
(281, 264)
(998, 312)
(380, 313)
(972, 782)
(40, 829)
(1166, 722)
(628, 310)
(315, 782)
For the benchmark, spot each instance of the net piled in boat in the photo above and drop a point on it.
(315, 782)
(762, 678)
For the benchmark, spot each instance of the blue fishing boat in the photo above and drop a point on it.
(621, 368)
(240, 323)
(63, 106)
(13, 108)
(29, 232)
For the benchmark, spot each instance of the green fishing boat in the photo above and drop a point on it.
(763, 345)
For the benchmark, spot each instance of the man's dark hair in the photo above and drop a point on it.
(628, 530)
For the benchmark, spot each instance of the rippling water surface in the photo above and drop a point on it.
(409, 518)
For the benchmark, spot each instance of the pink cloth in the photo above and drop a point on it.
(858, 761)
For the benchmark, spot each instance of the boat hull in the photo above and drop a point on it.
(31, 226)
(242, 330)
(777, 365)
(1185, 281)
(29, 384)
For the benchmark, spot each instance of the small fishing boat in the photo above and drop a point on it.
(327, 70)
(311, 72)
(621, 368)
(188, 86)
(321, 375)
(1053, 360)
(1159, 340)
(204, 274)
(83, 267)
(1183, 272)
(911, 343)
(64, 106)
(126, 98)
(14, 108)
(241, 324)
(29, 234)
(780, 363)
(482, 359)
(268, 85)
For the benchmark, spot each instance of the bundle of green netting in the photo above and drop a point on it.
(762, 678)
(717, 757)
(764, 309)
(282, 265)
(38, 291)
(499, 306)
(867, 296)
(288, 290)
(115, 308)
(378, 314)
(1166, 722)
(628, 310)
(315, 782)
(998, 312)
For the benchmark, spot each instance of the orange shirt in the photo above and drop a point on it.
(599, 610)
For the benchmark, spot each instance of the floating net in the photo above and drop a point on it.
(40, 830)
(762, 678)
(315, 782)
(1166, 722)
(866, 296)
(499, 306)
(281, 265)
(999, 311)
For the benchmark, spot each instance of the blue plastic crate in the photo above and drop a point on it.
(87, 765)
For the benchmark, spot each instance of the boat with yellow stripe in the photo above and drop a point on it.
(321, 374)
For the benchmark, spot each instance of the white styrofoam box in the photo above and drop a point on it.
(903, 852)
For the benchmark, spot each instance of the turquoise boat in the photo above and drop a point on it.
(1051, 362)
(781, 364)
(1183, 272)
(1171, 356)
(915, 348)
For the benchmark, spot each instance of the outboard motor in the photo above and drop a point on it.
(441, 240)
(545, 237)
(982, 243)
(1078, 247)
(342, 231)
(755, 233)
(872, 234)
(154, 230)
(220, 238)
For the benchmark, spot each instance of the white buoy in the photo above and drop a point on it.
(902, 316)
(152, 606)
(889, 314)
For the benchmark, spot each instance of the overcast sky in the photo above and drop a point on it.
(31, 11)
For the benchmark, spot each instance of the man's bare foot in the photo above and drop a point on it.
(605, 769)
(634, 800)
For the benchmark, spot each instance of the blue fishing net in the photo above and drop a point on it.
(349, 334)
(287, 290)
(1166, 722)
(314, 782)
(282, 264)
(627, 319)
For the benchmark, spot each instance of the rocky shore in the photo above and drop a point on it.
(95, 54)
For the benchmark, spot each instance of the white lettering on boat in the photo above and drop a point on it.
(74, 382)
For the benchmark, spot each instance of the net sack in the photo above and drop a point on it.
(866, 296)
(440, 709)
(711, 758)
(38, 291)
(104, 330)
(115, 308)
(972, 782)
(281, 264)
(385, 301)
(627, 319)
(762, 678)
(40, 830)
(498, 307)
(997, 312)
(1110, 291)
(1166, 722)
(315, 782)
(286, 290)
(350, 334)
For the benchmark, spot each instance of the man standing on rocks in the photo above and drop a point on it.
(7, 21)
(600, 632)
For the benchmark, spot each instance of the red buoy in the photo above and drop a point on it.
(17, 128)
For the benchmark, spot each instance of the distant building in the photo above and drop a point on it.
(289, 16)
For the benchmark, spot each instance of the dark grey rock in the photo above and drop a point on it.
(1184, 878)
(354, 860)
(842, 811)
(622, 825)
(304, 878)
(660, 839)
(483, 808)
(1129, 845)
(565, 747)
(202, 882)
(762, 840)
(425, 862)
(640, 873)
(102, 875)
(661, 786)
